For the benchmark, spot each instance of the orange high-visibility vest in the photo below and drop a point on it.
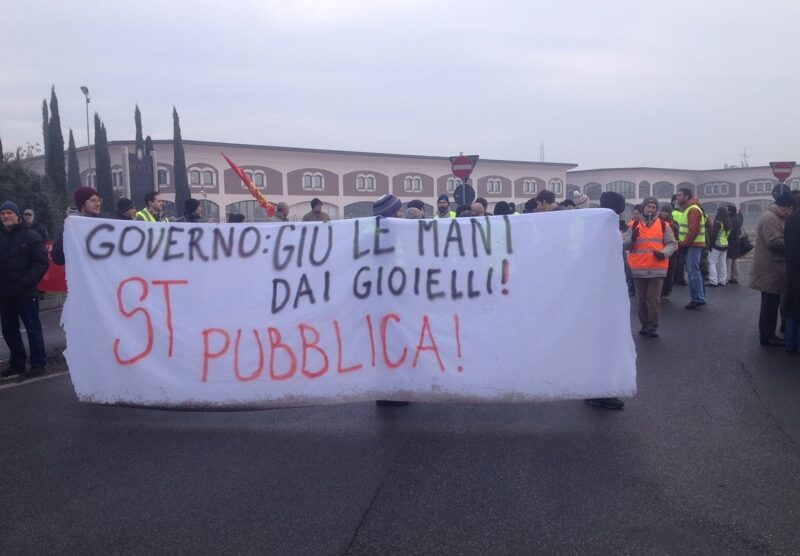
(650, 240)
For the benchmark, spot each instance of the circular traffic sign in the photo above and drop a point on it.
(464, 194)
(462, 166)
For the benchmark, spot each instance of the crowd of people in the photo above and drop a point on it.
(663, 245)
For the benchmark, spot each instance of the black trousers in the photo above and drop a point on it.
(666, 289)
(679, 276)
(768, 317)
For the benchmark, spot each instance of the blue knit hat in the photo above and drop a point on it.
(386, 206)
(9, 205)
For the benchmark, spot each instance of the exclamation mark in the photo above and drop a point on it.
(504, 280)
(458, 340)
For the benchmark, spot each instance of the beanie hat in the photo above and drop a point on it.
(443, 197)
(785, 199)
(613, 200)
(531, 204)
(124, 204)
(649, 200)
(190, 205)
(315, 202)
(9, 205)
(779, 189)
(417, 204)
(386, 206)
(483, 202)
(82, 195)
(581, 200)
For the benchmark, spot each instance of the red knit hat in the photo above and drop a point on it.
(82, 195)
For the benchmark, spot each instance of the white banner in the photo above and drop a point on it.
(490, 309)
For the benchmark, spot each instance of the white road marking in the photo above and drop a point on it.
(31, 380)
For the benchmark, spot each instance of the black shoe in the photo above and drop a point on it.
(12, 370)
(390, 403)
(651, 334)
(33, 372)
(643, 332)
(772, 341)
(733, 281)
(607, 403)
(694, 305)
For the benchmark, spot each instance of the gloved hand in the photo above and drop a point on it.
(659, 255)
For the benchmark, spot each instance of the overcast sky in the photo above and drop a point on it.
(683, 84)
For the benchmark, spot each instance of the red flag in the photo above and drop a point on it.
(269, 207)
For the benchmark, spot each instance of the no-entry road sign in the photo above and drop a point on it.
(782, 170)
(463, 165)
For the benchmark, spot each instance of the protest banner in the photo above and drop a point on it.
(489, 309)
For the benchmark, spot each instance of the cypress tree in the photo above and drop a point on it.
(137, 118)
(73, 169)
(56, 165)
(103, 166)
(148, 145)
(2, 154)
(181, 180)
(45, 128)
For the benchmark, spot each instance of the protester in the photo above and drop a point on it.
(388, 206)
(33, 223)
(637, 214)
(153, 210)
(546, 200)
(791, 237)
(680, 258)
(417, 204)
(718, 242)
(568, 204)
(513, 207)
(316, 214)
(581, 200)
(443, 207)
(616, 202)
(485, 204)
(126, 209)
(23, 264)
(413, 213)
(692, 240)
(87, 203)
(501, 208)
(281, 213)
(191, 211)
(461, 210)
(769, 267)
(478, 209)
(652, 243)
(530, 206)
(734, 244)
(665, 214)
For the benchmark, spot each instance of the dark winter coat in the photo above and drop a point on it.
(23, 262)
(734, 241)
(791, 235)
(190, 218)
(769, 262)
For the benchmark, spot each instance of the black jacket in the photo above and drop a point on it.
(23, 262)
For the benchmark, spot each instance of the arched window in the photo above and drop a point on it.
(258, 179)
(163, 177)
(593, 190)
(663, 190)
(209, 210)
(494, 185)
(556, 185)
(529, 186)
(760, 186)
(644, 189)
(571, 189)
(412, 184)
(715, 188)
(208, 177)
(253, 212)
(626, 188)
(194, 177)
(365, 182)
(313, 181)
(452, 183)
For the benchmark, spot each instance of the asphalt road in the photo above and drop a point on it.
(705, 459)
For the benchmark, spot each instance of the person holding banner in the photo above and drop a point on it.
(652, 244)
(191, 211)
(126, 210)
(23, 264)
(153, 210)
(443, 207)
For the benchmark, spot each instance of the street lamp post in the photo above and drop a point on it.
(85, 91)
